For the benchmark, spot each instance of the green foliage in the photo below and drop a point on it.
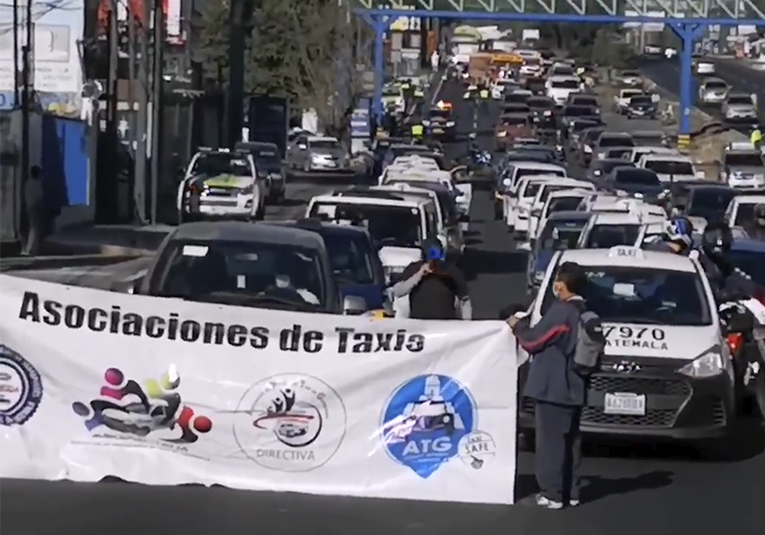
(303, 49)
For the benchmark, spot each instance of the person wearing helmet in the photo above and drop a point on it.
(756, 137)
(435, 287)
(677, 239)
(728, 283)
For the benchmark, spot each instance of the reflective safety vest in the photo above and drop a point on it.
(419, 93)
(417, 130)
(484, 93)
(405, 87)
(756, 136)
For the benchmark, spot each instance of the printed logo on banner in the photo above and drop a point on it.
(136, 410)
(290, 423)
(20, 388)
(429, 420)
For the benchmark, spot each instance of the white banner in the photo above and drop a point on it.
(166, 392)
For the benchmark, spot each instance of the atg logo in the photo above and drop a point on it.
(134, 409)
(429, 420)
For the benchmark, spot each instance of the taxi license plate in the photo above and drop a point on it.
(625, 403)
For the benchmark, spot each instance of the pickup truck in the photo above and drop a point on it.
(622, 100)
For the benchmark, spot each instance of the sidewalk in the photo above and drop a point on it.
(109, 240)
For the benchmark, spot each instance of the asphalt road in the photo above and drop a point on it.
(666, 74)
(630, 488)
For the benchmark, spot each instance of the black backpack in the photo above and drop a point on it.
(590, 342)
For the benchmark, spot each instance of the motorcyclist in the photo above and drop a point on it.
(728, 282)
(756, 137)
(483, 92)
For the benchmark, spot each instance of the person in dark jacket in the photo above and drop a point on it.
(677, 239)
(557, 389)
(37, 212)
(728, 283)
(436, 287)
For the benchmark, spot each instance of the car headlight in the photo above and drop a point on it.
(601, 155)
(317, 157)
(709, 364)
(247, 190)
(539, 277)
(758, 176)
(588, 149)
(449, 123)
(426, 123)
(501, 134)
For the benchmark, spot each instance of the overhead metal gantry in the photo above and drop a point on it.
(687, 18)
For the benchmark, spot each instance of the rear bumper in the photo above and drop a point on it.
(676, 407)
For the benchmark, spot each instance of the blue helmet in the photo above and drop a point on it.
(680, 230)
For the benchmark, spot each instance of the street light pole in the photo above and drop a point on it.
(16, 53)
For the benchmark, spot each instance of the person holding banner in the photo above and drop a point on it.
(557, 390)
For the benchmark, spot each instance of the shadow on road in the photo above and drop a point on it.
(596, 487)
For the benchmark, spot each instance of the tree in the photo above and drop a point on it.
(303, 49)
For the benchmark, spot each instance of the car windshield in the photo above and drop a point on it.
(615, 141)
(565, 84)
(744, 214)
(740, 99)
(563, 204)
(247, 273)
(631, 93)
(636, 177)
(560, 234)
(391, 226)
(516, 98)
(439, 114)
(445, 198)
(536, 172)
(514, 121)
(268, 159)
(607, 236)
(609, 165)
(716, 85)
(704, 201)
(350, 257)
(750, 262)
(649, 296)
(216, 164)
(669, 167)
(577, 111)
(324, 144)
(540, 103)
(743, 159)
(641, 100)
(585, 101)
(548, 189)
(579, 126)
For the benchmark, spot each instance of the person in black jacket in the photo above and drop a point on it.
(557, 389)
(38, 214)
(436, 287)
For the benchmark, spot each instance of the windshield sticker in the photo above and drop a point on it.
(652, 338)
(195, 250)
(241, 282)
(624, 290)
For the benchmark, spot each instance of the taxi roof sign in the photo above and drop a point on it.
(625, 251)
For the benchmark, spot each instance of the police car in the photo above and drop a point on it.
(667, 370)
(220, 184)
(743, 166)
(398, 225)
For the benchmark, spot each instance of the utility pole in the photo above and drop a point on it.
(156, 104)
(16, 43)
(139, 190)
(26, 96)
(238, 11)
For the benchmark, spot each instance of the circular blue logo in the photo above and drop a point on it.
(20, 388)
(424, 421)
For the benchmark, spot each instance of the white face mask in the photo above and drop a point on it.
(555, 292)
(282, 281)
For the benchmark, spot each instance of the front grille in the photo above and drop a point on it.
(639, 385)
(652, 418)
(219, 202)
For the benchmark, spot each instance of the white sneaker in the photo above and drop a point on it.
(537, 500)
(573, 503)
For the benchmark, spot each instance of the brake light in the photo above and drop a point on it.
(735, 342)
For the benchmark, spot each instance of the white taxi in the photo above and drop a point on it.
(610, 229)
(667, 370)
(509, 185)
(552, 185)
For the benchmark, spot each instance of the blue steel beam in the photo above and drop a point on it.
(738, 9)
(688, 29)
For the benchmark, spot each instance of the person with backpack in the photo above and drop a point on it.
(565, 346)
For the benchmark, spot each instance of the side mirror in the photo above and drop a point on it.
(354, 305)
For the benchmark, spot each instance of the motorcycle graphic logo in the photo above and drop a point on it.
(429, 420)
(290, 423)
(138, 409)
